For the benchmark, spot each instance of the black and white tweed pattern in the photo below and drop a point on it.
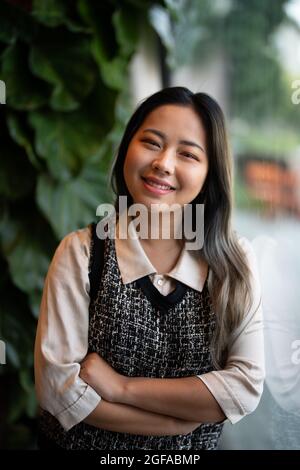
(140, 339)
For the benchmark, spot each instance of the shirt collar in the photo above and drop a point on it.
(190, 269)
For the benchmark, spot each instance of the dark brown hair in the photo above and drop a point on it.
(229, 279)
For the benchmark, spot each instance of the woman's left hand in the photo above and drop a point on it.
(102, 377)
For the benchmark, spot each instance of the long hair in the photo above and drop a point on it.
(229, 279)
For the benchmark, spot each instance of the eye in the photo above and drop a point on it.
(190, 155)
(151, 142)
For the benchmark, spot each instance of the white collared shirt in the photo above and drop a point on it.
(62, 334)
(190, 268)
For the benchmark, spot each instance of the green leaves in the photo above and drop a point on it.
(125, 21)
(28, 265)
(27, 247)
(17, 177)
(67, 141)
(50, 12)
(16, 23)
(58, 140)
(20, 134)
(53, 13)
(112, 42)
(69, 70)
(72, 204)
(65, 68)
(24, 91)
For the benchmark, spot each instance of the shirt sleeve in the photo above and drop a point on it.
(238, 387)
(62, 334)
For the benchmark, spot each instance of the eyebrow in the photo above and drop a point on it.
(185, 142)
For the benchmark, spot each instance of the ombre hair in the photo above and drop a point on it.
(229, 279)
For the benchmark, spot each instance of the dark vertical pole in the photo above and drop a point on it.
(164, 69)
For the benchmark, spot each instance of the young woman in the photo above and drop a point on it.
(171, 345)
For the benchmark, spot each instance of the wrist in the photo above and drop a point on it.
(119, 393)
(124, 391)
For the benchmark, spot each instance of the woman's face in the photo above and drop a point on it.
(169, 147)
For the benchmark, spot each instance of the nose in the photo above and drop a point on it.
(164, 162)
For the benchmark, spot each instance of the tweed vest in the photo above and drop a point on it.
(140, 332)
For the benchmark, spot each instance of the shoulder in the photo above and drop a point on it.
(74, 247)
(252, 320)
(80, 238)
(68, 268)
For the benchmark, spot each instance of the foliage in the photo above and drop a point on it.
(65, 66)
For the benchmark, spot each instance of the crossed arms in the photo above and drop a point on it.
(147, 406)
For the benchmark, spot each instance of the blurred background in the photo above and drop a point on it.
(71, 74)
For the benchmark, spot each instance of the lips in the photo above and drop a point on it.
(156, 181)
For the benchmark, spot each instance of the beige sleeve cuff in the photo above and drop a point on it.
(79, 410)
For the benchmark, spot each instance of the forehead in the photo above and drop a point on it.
(176, 120)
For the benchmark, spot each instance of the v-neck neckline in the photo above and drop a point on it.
(163, 302)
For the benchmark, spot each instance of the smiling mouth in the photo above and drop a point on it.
(158, 186)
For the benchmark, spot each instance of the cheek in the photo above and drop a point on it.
(129, 164)
(132, 162)
(196, 179)
(131, 171)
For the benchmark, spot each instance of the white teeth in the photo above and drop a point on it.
(160, 186)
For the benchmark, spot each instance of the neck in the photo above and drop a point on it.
(159, 231)
(164, 231)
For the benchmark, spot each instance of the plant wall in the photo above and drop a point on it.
(65, 66)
